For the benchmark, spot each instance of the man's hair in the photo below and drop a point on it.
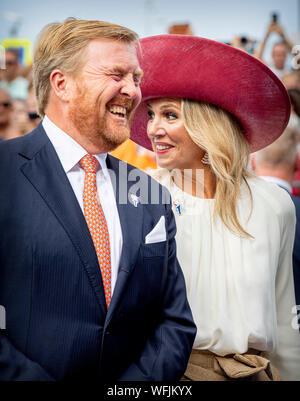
(282, 152)
(219, 133)
(295, 77)
(280, 44)
(294, 95)
(62, 46)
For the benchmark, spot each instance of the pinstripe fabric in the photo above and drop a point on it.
(96, 221)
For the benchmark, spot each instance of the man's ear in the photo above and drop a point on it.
(60, 85)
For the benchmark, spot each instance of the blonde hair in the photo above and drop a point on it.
(61, 45)
(218, 133)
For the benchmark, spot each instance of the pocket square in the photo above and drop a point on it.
(158, 234)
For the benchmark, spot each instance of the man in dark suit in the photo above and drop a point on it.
(89, 278)
(276, 163)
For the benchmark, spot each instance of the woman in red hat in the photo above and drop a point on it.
(205, 107)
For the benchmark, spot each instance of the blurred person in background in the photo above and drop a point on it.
(291, 80)
(276, 164)
(243, 43)
(14, 120)
(180, 29)
(26, 72)
(32, 109)
(7, 130)
(19, 118)
(235, 232)
(280, 50)
(12, 82)
(295, 124)
(295, 101)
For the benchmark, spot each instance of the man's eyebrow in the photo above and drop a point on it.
(113, 70)
(121, 70)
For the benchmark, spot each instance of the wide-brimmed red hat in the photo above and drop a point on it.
(180, 66)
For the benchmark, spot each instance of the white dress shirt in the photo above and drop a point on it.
(275, 180)
(241, 290)
(70, 153)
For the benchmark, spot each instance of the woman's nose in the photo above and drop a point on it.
(155, 129)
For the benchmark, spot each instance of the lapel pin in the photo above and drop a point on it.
(134, 199)
(178, 207)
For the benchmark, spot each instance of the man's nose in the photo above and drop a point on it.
(130, 88)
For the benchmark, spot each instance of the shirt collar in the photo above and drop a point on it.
(282, 183)
(68, 150)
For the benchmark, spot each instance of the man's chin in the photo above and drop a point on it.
(114, 140)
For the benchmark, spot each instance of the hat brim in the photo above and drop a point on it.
(189, 67)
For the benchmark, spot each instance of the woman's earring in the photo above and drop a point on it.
(205, 159)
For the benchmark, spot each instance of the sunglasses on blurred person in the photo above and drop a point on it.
(6, 105)
(33, 116)
(10, 62)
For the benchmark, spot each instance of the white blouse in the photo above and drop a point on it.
(241, 290)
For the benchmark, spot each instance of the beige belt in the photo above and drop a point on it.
(253, 365)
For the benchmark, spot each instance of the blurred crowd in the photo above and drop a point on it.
(18, 108)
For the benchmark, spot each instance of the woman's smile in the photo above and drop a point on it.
(170, 140)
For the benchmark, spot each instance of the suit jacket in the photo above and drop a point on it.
(296, 251)
(57, 324)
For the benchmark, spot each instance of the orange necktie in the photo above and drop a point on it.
(96, 221)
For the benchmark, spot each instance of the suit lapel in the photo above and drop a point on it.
(131, 218)
(45, 172)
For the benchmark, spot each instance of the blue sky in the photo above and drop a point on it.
(215, 19)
